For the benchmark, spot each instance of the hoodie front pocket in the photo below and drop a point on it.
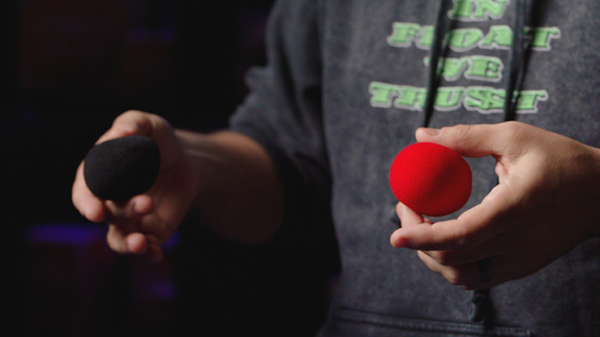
(350, 322)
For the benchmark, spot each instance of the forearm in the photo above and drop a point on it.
(239, 195)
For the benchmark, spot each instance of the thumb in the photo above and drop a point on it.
(408, 218)
(473, 140)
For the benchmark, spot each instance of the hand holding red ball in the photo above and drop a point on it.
(544, 205)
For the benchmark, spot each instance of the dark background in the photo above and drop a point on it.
(73, 66)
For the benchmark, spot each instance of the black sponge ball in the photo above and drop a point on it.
(121, 168)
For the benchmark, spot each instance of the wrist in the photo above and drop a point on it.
(202, 159)
(237, 190)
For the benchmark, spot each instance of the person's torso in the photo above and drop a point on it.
(375, 63)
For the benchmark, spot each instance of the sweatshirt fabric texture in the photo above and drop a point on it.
(343, 92)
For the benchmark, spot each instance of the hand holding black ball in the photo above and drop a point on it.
(141, 193)
(121, 168)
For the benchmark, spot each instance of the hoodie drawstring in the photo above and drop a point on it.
(479, 307)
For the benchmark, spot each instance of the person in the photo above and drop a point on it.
(344, 90)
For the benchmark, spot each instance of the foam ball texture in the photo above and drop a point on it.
(121, 168)
(431, 179)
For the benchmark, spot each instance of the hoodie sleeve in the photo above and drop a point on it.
(283, 111)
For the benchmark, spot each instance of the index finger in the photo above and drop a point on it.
(480, 140)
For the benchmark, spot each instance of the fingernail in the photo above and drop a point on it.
(400, 211)
(431, 131)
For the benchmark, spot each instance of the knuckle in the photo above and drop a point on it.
(458, 133)
(134, 113)
(445, 258)
(160, 124)
(463, 242)
(454, 277)
(160, 120)
(131, 116)
(463, 131)
(124, 116)
(513, 125)
(464, 239)
(513, 129)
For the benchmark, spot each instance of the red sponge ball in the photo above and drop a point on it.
(431, 179)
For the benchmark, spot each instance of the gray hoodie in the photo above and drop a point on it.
(343, 92)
